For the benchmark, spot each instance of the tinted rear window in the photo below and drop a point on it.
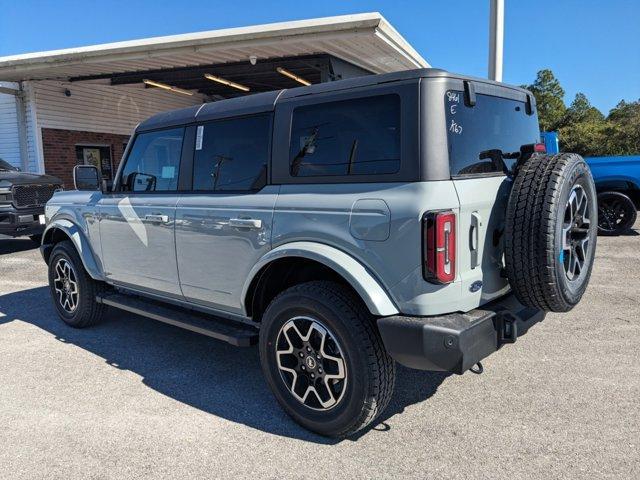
(485, 135)
(351, 137)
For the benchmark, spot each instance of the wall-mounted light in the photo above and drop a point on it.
(292, 76)
(228, 83)
(164, 86)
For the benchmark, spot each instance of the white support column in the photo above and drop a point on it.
(496, 39)
(34, 133)
(22, 131)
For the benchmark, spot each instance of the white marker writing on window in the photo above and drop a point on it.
(455, 128)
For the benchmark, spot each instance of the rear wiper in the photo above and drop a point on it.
(497, 158)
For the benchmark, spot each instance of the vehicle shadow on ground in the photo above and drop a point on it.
(201, 372)
(14, 245)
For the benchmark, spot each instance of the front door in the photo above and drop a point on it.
(224, 226)
(137, 220)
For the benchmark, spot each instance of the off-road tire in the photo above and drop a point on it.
(370, 370)
(88, 312)
(621, 205)
(534, 229)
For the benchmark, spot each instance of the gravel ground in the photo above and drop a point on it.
(134, 398)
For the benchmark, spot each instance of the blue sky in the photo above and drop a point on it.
(593, 46)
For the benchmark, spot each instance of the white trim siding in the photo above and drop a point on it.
(9, 133)
(34, 137)
(91, 108)
(102, 108)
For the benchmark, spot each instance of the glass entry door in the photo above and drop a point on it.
(99, 156)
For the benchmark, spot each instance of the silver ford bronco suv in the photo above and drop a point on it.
(344, 226)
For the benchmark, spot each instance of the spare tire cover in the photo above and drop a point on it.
(551, 231)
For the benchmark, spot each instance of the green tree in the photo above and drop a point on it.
(583, 128)
(623, 132)
(589, 139)
(549, 99)
(581, 110)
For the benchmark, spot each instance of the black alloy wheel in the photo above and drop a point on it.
(616, 213)
(324, 359)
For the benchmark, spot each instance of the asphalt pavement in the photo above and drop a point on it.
(134, 398)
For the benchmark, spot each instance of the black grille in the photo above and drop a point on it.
(32, 195)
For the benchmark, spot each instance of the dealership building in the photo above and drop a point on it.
(76, 106)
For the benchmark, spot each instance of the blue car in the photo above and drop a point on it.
(617, 183)
(618, 186)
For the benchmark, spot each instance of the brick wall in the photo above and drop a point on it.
(59, 149)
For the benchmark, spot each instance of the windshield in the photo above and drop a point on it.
(7, 167)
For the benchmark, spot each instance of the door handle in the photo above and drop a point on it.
(157, 218)
(245, 223)
(475, 239)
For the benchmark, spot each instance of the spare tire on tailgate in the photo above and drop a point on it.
(550, 231)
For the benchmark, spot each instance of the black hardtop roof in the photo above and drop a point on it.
(265, 102)
(245, 105)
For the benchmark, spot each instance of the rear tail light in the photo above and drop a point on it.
(540, 148)
(439, 247)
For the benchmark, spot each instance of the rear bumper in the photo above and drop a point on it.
(16, 223)
(457, 341)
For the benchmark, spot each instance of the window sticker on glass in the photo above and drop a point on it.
(168, 171)
(307, 144)
(199, 135)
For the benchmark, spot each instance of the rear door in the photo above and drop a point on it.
(484, 140)
(224, 225)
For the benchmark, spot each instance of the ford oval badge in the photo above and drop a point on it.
(475, 286)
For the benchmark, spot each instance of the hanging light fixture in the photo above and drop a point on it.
(164, 86)
(293, 76)
(228, 83)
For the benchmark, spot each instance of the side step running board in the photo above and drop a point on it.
(226, 330)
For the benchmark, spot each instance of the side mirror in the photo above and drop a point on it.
(86, 177)
(142, 182)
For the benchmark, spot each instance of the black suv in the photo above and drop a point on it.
(22, 199)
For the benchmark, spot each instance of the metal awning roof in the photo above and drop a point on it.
(366, 40)
(263, 76)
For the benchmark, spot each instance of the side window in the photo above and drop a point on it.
(154, 161)
(350, 137)
(232, 155)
